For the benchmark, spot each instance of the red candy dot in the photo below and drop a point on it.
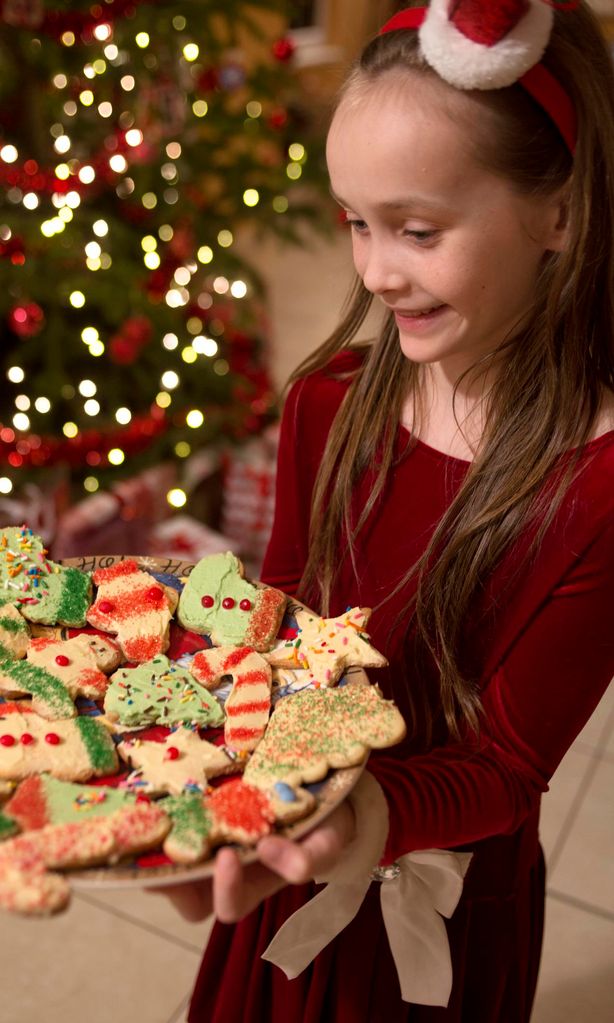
(7, 740)
(52, 738)
(207, 601)
(246, 605)
(62, 660)
(172, 753)
(105, 606)
(228, 602)
(154, 593)
(143, 799)
(26, 739)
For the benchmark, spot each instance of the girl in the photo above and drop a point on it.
(457, 476)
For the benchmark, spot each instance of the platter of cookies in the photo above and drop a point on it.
(153, 710)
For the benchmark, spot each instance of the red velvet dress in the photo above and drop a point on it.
(543, 643)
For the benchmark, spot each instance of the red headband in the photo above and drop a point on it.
(545, 89)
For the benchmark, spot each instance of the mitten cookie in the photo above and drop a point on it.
(44, 591)
(327, 646)
(135, 607)
(317, 729)
(73, 749)
(25, 885)
(217, 601)
(43, 800)
(249, 703)
(14, 632)
(81, 663)
(181, 761)
(159, 692)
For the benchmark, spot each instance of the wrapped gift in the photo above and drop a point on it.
(249, 498)
(185, 539)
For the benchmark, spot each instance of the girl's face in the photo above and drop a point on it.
(449, 247)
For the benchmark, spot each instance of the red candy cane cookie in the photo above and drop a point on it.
(249, 704)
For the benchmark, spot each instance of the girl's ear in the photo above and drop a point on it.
(557, 238)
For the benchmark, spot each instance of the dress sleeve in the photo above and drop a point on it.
(536, 702)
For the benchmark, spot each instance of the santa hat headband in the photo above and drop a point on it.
(489, 44)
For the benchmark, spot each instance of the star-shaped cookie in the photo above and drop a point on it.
(182, 761)
(327, 646)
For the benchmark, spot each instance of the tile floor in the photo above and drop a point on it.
(127, 957)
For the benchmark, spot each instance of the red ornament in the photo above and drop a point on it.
(62, 660)
(26, 319)
(208, 80)
(283, 49)
(278, 118)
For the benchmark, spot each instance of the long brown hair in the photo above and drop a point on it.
(545, 400)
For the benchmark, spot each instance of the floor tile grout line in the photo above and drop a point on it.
(569, 819)
(586, 907)
(136, 922)
(179, 1013)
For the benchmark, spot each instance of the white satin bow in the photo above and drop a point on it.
(426, 886)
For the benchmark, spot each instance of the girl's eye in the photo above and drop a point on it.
(356, 225)
(421, 237)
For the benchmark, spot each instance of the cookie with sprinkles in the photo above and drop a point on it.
(190, 838)
(182, 761)
(50, 697)
(14, 631)
(44, 591)
(245, 813)
(135, 608)
(327, 646)
(43, 799)
(249, 703)
(318, 729)
(73, 749)
(81, 664)
(219, 602)
(26, 886)
(159, 692)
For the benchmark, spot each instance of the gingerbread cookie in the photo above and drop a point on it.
(43, 799)
(14, 632)
(327, 646)
(318, 729)
(74, 749)
(219, 602)
(81, 664)
(159, 692)
(26, 886)
(136, 608)
(182, 761)
(42, 590)
(249, 703)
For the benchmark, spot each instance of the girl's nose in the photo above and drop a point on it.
(381, 272)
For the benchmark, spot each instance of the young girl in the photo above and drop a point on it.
(457, 475)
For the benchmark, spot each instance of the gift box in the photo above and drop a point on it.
(185, 539)
(248, 500)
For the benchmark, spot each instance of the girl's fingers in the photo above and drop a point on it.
(194, 901)
(237, 890)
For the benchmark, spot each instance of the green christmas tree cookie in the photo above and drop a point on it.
(159, 692)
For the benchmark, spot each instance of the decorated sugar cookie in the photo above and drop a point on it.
(14, 632)
(42, 590)
(249, 703)
(190, 838)
(159, 692)
(50, 697)
(181, 761)
(43, 800)
(327, 646)
(133, 606)
(81, 664)
(219, 602)
(74, 749)
(318, 729)
(25, 884)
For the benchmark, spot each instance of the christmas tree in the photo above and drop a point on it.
(137, 137)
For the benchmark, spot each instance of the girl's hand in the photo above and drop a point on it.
(236, 889)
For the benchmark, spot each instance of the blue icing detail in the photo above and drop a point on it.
(168, 580)
(285, 792)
